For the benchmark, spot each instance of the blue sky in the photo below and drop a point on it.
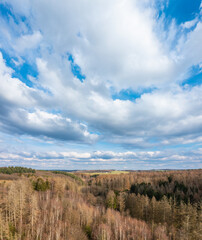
(101, 85)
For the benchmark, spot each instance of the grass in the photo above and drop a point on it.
(110, 172)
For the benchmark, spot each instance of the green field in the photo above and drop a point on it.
(110, 172)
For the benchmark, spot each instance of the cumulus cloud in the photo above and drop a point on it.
(162, 113)
(39, 123)
(115, 44)
(20, 113)
(118, 45)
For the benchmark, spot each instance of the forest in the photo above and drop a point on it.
(59, 205)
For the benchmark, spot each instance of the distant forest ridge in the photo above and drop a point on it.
(10, 170)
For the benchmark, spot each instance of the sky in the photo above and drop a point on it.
(101, 84)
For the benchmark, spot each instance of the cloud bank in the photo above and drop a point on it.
(104, 160)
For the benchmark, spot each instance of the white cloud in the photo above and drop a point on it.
(191, 50)
(115, 43)
(15, 92)
(119, 44)
(190, 24)
(26, 42)
(108, 159)
(163, 114)
(40, 123)
(20, 112)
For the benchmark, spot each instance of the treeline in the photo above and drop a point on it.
(71, 175)
(11, 170)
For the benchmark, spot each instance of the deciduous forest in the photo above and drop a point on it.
(58, 205)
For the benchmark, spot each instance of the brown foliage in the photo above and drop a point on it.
(74, 212)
